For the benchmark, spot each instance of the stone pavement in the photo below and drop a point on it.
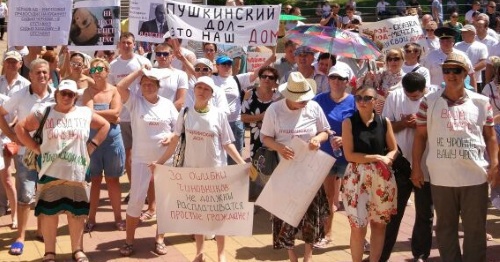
(103, 243)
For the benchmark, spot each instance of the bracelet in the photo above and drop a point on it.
(93, 143)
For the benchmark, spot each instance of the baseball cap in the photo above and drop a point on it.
(13, 55)
(207, 81)
(69, 85)
(223, 60)
(468, 28)
(206, 62)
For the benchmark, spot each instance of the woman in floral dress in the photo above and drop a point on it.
(369, 194)
(256, 102)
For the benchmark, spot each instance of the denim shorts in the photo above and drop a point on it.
(239, 135)
(338, 170)
(25, 181)
(126, 129)
(497, 131)
(108, 157)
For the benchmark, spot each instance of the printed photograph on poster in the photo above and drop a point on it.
(95, 25)
(42, 22)
(148, 20)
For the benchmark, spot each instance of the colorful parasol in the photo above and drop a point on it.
(284, 17)
(335, 41)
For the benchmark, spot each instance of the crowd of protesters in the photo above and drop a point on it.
(133, 107)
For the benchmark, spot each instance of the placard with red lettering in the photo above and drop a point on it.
(39, 23)
(256, 59)
(247, 25)
(95, 25)
(395, 32)
(208, 201)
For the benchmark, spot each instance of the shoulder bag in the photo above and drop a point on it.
(265, 161)
(181, 146)
(401, 166)
(30, 158)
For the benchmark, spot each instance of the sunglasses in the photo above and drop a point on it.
(393, 59)
(75, 64)
(430, 30)
(491, 6)
(227, 64)
(360, 98)
(162, 54)
(453, 70)
(411, 51)
(67, 94)
(96, 69)
(334, 77)
(209, 50)
(270, 77)
(201, 69)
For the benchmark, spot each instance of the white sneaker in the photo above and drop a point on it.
(209, 237)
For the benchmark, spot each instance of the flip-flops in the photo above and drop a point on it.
(161, 248)
(146, 216)
(16, 249)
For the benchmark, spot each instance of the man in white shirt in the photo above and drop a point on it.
(24, 101)
(434, 59)
(121, 67)
(482, 34)
(475, 50)
(11, 81)
(468, 16)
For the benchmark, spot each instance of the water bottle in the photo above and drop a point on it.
(337, 152)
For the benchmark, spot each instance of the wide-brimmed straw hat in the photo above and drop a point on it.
(298, 88)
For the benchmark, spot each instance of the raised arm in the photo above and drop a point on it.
(123, 85)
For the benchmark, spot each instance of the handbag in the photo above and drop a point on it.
(265, 161)
(400, 165)
(10, 149)
(30, 158)
(178, 159)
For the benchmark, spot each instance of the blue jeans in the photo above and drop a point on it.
(239, 138)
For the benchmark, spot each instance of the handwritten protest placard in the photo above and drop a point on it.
(38, 23)
(256, 59)
(294, 183)
(395, 32)
(238, 25)
(210, 201)
(95, 25)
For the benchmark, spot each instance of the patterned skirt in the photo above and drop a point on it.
(370, 193)
(57, 196)
(311, 225)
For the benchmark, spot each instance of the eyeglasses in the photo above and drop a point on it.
(393, 59)
(454, 16)
(202, 69)
(209, 50)
(227, 64)
(75, 64)
(67, 94)
(430, 30)
(360, 98)
(96, 69)
(492, 6)
(453, 70)
(162, 54)
(408, 51)
(270, 77)
(334, 77)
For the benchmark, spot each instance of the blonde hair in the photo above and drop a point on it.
(100, 60)
(495, 62)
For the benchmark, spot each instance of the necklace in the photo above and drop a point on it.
(202, 110)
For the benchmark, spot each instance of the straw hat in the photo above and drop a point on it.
(458, 60)
(298, 88)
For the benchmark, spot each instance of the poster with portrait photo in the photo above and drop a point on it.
(95, 25)
(38, 23)
(148, 20)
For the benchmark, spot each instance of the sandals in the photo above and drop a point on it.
(323, 243)
(52, 259)
(83, 258)
(145, 216)
(121, 226)
(89, 226)
(127, 250)
(160, 248)
(14, 225)
(16, 249)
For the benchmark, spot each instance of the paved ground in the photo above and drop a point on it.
(103, 243)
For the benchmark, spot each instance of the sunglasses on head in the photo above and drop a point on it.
(67, 94)
(453, 70)
(270, 77)
(393, 59)
(334, 77)
(96, 69)
(201, 69)
(162, 54)
(75, 64)
(360, 98)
